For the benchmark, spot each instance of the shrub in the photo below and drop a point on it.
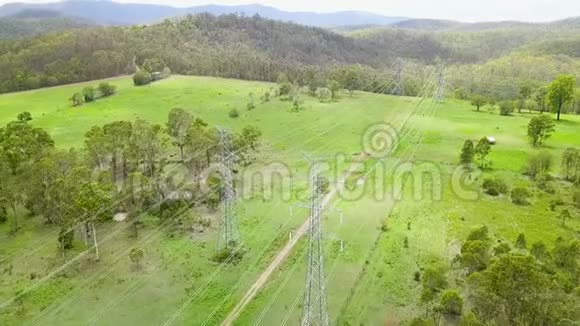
(555, 203)
(297, 105)
(323, 94)
(434, 280)
(467, 153)
(479, 233)
(65, 238)
(576, 199)
(417, 276)
(166, 72)
(89, 93)
(571, 164)
(77, 99)
(142, 77)
(107, 89)
(251, 105)
(265, 97)
(502, 248)
(475, 255)
(540, 251)
(506, 108)
(3, 215)
(24, 116)
(451, 303)
(520, 196)
(521, 241)
(228, 255)
(543, 181)
(539, 164)
(285, 89)
(136, 255)
(234, 113)
(495, 186)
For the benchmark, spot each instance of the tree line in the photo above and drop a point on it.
(254, 48)
(505, 283)
(124, 166)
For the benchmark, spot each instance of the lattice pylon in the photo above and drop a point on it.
(314, 310)
(228, 237)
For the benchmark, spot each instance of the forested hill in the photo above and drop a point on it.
(474, 42)
(36, 22)
(257, 48)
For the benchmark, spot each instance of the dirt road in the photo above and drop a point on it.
(286, 250)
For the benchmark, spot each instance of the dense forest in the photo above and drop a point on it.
(36, 22)
(260, 49)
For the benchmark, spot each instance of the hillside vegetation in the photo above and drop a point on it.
(260, 49)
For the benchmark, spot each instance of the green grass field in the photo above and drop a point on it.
(370, 282)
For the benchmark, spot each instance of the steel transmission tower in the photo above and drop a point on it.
(440, 92)
(399, 88)
(228, 230)
(314, 310)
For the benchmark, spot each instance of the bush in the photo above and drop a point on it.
(77, 99)
(451, 303)
(538, 164)
(136, 255)
(142, 77)
(501, 249)
(3, 215)
(417, 276)
(506, 108)
(323, 94)
(434, 280)
(520, 196)
(265, 97)
(24, 116)
(89, 93)
(495, 186)
(480, 233)
(285, 89)
(107, 89)
(521, 241)
(297, 105)
(234, 113)
(166, 72)
(555, 203)
(232, 256)
(475, 255)
(543, 182)
(576, 199)
(65, 238)
(251, 105)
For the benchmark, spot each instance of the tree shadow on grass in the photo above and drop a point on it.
(567, 122)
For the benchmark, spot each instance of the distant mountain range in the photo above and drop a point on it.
(106, 12)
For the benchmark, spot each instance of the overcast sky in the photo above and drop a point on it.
(464, 10)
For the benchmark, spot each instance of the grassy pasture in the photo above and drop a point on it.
(370, 282)
(174, 268)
